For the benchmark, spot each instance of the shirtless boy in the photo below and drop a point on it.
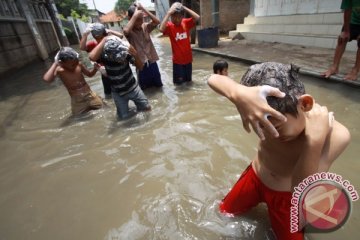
(71, 73)
(308, 142)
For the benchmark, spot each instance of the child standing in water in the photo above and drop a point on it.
(98, 32)
(138, 34)
(178, 31)
(221, 67)
(308, 142)
(71, 73)
(117, 57)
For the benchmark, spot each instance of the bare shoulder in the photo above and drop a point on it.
(340, 135)
(335, 145)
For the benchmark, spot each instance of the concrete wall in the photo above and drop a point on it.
(291, 7)
(16, 45)
(18, 41)
(232, 12)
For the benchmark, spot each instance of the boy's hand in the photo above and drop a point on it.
(56, 58)
(255, 110)
(318, 124)
(96, 66)
(175, 7)
(139, 6)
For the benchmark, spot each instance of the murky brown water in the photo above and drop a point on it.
(157, 176)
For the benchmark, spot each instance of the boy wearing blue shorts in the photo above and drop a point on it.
(116, 56)
(138, 34)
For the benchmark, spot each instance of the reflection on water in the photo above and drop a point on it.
(159, 175)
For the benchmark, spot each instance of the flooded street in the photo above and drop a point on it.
(159, 175)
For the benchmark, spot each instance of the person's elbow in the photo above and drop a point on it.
(156, 22)
(93, 57)
(48, 79)
(196, 18)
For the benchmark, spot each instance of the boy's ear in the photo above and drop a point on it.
(306, 102)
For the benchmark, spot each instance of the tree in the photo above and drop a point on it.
(66, 7)
(122, 6)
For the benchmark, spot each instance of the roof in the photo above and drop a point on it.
(111, 17)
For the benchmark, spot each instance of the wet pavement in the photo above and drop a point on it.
(312, 61)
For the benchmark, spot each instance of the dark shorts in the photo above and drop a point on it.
(354, 31)
(150, 76)
(182, 73)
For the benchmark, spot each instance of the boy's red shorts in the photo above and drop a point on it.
(249, 191)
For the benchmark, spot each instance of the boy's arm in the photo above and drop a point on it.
(115, 33)
(86, 71)
(129, 26)
(138, 63)
(83, 40)
(162, 27)
(325, 140)
(50, 75)
(193, 14)
(154, 20)
(250, 102)
(95, 54)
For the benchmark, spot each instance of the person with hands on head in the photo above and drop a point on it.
(308, 141)
(98, 32)
(138, 34)
(178, 30)
(116, 56)
(71, 72)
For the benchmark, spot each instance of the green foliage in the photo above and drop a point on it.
(74, 14)
(65, 7)
(122, 6)
(62, 17)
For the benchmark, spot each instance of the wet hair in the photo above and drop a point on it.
(67, 53)
(220, 65)
(285, 77)
(98, 30)
(115, 50)
(131, 10)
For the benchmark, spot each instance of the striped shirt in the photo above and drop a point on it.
(121, 77)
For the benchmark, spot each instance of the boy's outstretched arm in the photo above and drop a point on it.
(50, 75)
(250, 102)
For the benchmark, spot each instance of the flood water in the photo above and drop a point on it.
(159, 175)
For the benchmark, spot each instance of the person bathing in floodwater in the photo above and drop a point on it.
(71, 72)
(221, 67)
(308, 142)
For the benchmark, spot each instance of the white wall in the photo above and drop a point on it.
(290, 7)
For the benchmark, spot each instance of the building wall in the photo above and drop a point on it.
(232, 12)
(17, 44)
(291, 7)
